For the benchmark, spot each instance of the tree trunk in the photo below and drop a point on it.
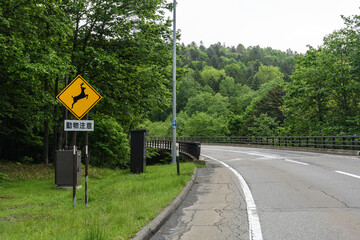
(1, 145)
(56, 121)
(46, 126)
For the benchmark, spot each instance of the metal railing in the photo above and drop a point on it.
(190, 148)
(317, 142)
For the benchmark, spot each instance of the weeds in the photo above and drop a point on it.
(120, 203)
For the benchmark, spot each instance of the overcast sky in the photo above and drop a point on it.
(280, 24)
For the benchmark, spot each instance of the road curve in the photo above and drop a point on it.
(298, 195)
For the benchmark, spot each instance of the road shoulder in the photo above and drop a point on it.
(213, 209)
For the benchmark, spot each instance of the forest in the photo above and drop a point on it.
(123, 48)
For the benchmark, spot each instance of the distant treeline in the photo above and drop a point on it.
(124, 50)
(266, 92)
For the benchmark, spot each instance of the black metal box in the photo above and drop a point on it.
(64, 167)
(138, 151)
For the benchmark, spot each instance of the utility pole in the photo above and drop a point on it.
(173, 146)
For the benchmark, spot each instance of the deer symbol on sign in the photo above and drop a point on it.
(80, 96)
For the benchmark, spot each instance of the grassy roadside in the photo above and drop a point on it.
(120, 203)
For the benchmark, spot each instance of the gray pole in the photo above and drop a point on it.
(86, 164)
(74, 168)
(173, 147)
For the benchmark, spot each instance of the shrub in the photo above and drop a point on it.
(110, 146)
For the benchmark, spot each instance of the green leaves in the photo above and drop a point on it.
(121, 47)
(324, 92)
(109, 144)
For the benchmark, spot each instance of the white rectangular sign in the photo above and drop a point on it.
(79, 125)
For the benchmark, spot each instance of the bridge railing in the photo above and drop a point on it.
(186, 147)
(320, 142)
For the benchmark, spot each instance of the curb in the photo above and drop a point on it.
(149, 230)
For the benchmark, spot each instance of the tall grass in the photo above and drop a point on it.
(120, 203)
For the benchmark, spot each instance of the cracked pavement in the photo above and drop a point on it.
(214, 209)
(299, 195)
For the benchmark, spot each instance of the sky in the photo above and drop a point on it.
(279, 24)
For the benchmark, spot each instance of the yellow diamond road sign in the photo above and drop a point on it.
(79, 97)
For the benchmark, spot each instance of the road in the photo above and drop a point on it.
(299, 195)
(287, 194)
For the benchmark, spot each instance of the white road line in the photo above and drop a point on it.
(235, 159)
(348, 174)
(248, 153)
(293, 161)
(253, 218)
(261, 155)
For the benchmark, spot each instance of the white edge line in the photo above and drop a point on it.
(253, 218)
(348, 174)
(302, 163)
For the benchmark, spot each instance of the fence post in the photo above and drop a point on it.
(307, 142)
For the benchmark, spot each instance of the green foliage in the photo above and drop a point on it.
(122, 49)
(237, 71)
(155, 156)
(27, 160)
(202, 124)
(110, 146)
(212, 77)
(3, 177)
(157, 128)
(267, 102)
(266, 74)
(264, 126)
(323, 97)
(207, 103)
(96, 233)
(186, 88)
(225, 88)
(120, 203)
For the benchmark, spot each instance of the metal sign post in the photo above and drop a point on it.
(86, 163)
(80, 125)
(79, 97)
(74, 168)
(177, 158)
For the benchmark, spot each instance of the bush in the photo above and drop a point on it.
(156, 156)
(202, 124)
(110, 146)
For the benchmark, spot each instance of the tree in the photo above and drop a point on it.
(268, 100)
(208, 103)
(212, 77)
(203, 124)
(110, 147)
(227, 87)
(237, 71)
(187, 88)
(32, 36)
(342, 58)
(324, 92)
(266, 74)
(123, 49)
(264, 126)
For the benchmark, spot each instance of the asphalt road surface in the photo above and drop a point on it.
(252, 193)
(298, 195)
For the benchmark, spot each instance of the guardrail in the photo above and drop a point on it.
(317, 142)
(189, 148)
